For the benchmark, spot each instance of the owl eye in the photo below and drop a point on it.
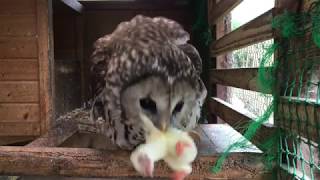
(178, 107)
(149, 105)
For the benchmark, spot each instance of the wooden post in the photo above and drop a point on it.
(45, 63)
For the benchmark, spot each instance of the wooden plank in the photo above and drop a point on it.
(19, 91)
(254, 31)
(19, 112)
(219, 10)
(17, 7)
(299, 116)
(82, 162)
(17, 25)
(19, 69)
(19, 129)
(74, 4)
(45, 55)
(22, 47)
(221, 136)
(245, 78)
(238, 119)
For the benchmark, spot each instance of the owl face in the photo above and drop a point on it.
(166, 104)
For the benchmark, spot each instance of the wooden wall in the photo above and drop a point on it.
(24, 69)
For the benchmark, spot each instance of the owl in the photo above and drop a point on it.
(145, 66)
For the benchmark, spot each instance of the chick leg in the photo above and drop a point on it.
(146, 165)
(179, 175)
(180, 146)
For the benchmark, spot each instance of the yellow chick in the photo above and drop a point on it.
(174, 146)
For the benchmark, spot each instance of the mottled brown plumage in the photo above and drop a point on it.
(146, 66)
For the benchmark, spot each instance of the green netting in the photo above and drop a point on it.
(294, 78)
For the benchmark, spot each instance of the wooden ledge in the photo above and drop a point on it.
(82, 162)
(43, 158)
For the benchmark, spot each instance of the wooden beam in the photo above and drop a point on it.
(245, 78)
(74, 4)
(66, 126)
(254, 31)
(219, 10)
(300, 116)
(239, 119)
(82, 162)
(45, 58)
(57, 135)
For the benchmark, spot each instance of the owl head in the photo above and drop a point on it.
(146, 67)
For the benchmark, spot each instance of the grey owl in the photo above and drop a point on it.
(145, 66)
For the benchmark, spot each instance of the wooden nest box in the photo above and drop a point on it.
(44, 47)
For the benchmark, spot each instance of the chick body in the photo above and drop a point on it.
(163, 146)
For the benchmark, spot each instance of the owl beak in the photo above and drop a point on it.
(163, 123)
(164, 126)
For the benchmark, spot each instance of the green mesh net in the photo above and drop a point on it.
(294, 78)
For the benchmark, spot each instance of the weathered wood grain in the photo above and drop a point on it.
(254, 31)
(17, 25)
(19, 129)
(245, 78)
(19, 69)
(17, 7)
(19, 91)
(83, 162)
(18, 47)
(19, 112)
(46, 63)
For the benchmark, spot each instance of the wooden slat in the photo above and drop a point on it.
(245, 78)
(238, 119)
(19, 112)
(17, 25)
(17, 7)
(254, 31)
(19, 91)
(299, 116)
(82, 162)
(222, 136)
(45, 55)
(19, 69)
(19, 129)
(220, 9)
(11, 47)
